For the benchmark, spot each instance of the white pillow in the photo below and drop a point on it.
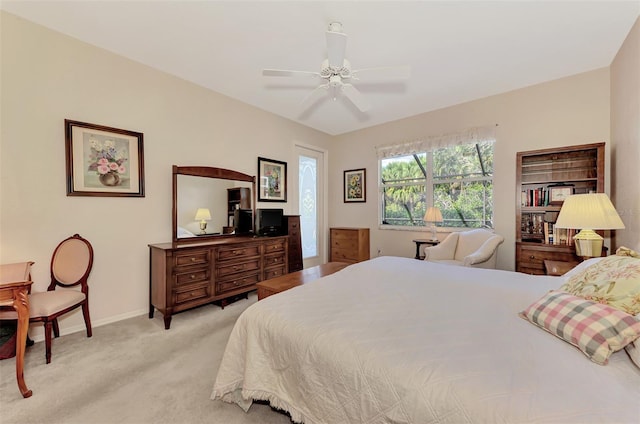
(582, 266)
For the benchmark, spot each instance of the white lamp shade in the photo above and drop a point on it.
(203, 214)
(433, 215)
(592, 211)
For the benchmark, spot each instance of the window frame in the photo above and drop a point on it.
(429, 182)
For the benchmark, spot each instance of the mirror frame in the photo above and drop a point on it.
(207, 172)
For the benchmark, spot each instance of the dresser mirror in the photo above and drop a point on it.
(201, 192)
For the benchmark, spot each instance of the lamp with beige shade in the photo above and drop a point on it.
(588, 212)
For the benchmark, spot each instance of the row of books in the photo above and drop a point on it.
(553, 235)
(534, 197)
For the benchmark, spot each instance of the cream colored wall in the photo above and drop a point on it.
(625, 137)
(573, 110)
(47, 77)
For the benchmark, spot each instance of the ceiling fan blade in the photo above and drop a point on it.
(287, 73)
(317, 93)
(389, 72)
(336, 47)
(355, 97)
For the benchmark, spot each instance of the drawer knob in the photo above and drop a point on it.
(192, 276)
(238, 252)
(531, 257)
(193, 259)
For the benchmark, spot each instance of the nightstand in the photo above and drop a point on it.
(420, 242)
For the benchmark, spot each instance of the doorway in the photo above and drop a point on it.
(311, 203)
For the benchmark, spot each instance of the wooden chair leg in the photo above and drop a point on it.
(56, 329)
(87, 318)
(47, 340)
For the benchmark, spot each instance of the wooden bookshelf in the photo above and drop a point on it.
(543, 177)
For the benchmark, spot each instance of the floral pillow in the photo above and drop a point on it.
(614, 281)
(597, 330)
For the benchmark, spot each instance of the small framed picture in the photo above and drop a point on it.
(557, 194)
(103, 161)
(272, 176)
(355, 185)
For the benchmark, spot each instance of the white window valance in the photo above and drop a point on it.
(469, 136)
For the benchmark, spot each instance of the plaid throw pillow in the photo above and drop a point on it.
(596, 329)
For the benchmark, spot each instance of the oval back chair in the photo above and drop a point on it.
(71, 264)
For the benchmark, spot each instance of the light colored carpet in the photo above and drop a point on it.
(133, 371)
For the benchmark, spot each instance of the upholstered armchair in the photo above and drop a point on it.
(475, 248)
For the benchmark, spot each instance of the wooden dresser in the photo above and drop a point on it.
(291, 226)
(185, 276)
(348, 245)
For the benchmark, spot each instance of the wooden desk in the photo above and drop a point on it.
(15, 281)
(420, 242)
(285, 282)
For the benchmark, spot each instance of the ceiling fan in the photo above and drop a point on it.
(337, 73)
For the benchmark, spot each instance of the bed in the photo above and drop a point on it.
(396, 340)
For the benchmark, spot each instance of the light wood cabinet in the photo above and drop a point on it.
(185, 276)
(576, 169)
(348, 245)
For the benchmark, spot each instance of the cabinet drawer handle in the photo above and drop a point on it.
(237, 267)
(193, 259)
(192, 276)
(237, 252)
(531, 257)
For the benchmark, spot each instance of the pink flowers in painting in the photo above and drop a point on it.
(105, 158)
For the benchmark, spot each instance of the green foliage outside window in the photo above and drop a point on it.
(457, 179)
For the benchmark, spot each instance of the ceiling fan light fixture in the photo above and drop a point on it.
(335, 27)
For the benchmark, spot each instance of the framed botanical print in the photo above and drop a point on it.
(355, 185)
(272, 177)
(103, 161)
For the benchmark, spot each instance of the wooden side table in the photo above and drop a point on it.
(420, 242)
(15, 281)
(288, 281)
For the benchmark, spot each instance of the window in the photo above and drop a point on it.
(457, 179)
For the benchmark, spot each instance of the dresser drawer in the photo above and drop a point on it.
(192, 276)
(343, 255)
(238, 282)
(228, 253)
(274, 246)
(273, 260)
(274, 272)
(530, 260)
(191, 257)
(191, 294)
(226, 269)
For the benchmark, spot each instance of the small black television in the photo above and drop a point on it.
(269, 222)
(243, 221)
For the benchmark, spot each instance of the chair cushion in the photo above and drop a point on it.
(470, 241)
(47, 303)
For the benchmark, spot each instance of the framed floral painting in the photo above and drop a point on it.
(272, 176)
(103, 161)
(355, 185)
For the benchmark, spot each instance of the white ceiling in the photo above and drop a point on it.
(458, 51)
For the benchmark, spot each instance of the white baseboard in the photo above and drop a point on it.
(36, 330)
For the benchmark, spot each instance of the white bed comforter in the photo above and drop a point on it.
(395, 340)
